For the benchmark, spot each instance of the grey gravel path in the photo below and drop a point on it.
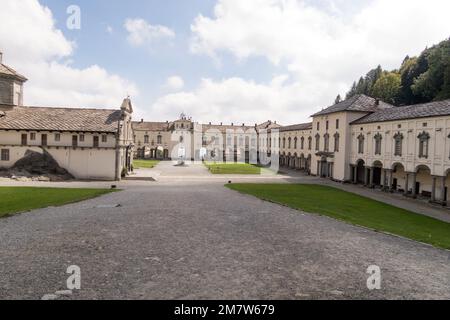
(205, 241)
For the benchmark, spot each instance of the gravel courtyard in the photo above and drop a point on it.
(191, 240)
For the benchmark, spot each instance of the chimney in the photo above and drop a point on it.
(221, 123)
(210, 123)
(243, 124)
(1, 57)
(274, 122)
(142, 120)
(377, 102)
(232, 124)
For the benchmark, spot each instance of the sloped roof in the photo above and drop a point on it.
(432, 109)
(357, 103)
(297, 127)
(224, 128)
(150, 126)
(59, 119)
(9, 72)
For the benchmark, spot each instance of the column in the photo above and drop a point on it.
(366, 174)
(414, 193)
(384, 180)
(371, 177)
(444, 202)
(406, 184)
(391, 179)
(433, 189)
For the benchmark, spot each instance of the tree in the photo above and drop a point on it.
(371, 78)
(352, 91)
(422, 79)
(433, 84)
(387, 87)
(338, 99)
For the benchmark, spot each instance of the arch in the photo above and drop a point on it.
(377, 164)
(398, 176)
(377, 167)
(360, 171)
(423, 182)
(422, 167)
(396, 165)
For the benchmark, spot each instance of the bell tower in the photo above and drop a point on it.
(11, 86)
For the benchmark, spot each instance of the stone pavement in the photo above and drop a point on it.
(195, 240)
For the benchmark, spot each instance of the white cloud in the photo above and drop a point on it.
(235, 99)
(140, 32)
(323, 49)
(109, 29)
(175, 83)
(34, 47)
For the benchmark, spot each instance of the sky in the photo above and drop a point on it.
(214, 60)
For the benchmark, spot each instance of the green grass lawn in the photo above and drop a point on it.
(144, 164)
(21, 199)
(353, 209)
(232, 168)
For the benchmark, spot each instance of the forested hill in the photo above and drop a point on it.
(418, 80)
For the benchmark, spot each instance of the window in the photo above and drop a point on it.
(337, 124)
(5, 155)
(146, 139)
(104, 138)
(57, 137)
(398, 144)
(424, 139)
(32, 136)
(327, 125)
(284, 142)
(326, 142)
(74, 141)
(289, 143)
(295, 142)
(24, 139)
(44, 139)
(96, 141)
(361, 143)
(302, 143)
(159, 139)
(378, 137)
(318, 126)
(81, 137)
(317, 142)
(336, 142)
(309, 143)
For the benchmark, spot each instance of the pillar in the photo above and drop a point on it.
(406, 184)
(444, 202)
(391, 180)
(433, 189)
(366, 173)
(371, 177)
(384, 180)
(414, 194)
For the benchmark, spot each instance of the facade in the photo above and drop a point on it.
(186, 139)
(364, 140)
(90, 144)
(296, 146)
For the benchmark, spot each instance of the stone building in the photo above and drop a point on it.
(89, 143)
(364, 140)
(187, 139)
